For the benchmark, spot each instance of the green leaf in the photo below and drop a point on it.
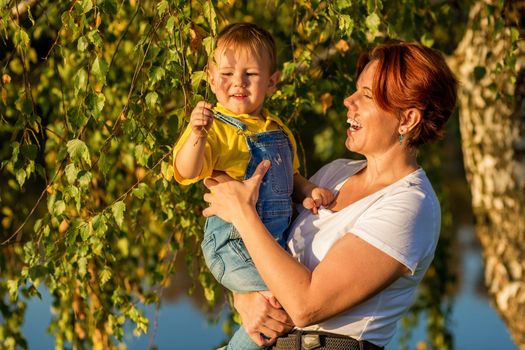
(427, 40)
(140, 191)
(208, 10)
(514, 34)
(80, 80)
(71, 173)
(141, 155)
(209, 45)
(157, 74)
(59, 207)
(16, 151)
(104, 164)
(87, 5)
(162, 7)
(152, 99)
(95, 103)
(77, 118)
(100, 70)
(197, 78)
(99, 225)
(38, 272)
(82, 44)
(21, 39)
(343, 4)
(123, 246)
(30, 151)
(21, 176)
(372, 23)
(118, 210)
(95, 39)
(78, 151)
(84, 179)
(82, 266)
(105, 275)
(346, 24)
(86, 231)
(12, 287)
(167, 170)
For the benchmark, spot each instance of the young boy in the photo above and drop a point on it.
(234, 137)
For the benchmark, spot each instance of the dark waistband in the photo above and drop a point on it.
(311, 340)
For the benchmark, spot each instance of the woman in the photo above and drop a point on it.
(355, 266)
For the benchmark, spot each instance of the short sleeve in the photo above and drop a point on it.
(404, 224)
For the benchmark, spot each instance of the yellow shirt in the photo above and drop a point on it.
(226, 150)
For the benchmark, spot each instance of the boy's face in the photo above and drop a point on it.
(241, 79)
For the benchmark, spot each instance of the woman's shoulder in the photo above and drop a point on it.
(337, 170)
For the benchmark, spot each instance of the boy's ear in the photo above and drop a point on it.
(211, 78)
(272, 82)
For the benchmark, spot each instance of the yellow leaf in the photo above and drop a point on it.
(342, 46)
(98, 20)
(326, 101)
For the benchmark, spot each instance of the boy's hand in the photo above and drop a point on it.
(320, 196)
(201, 118)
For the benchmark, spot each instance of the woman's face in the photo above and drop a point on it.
(372, 130)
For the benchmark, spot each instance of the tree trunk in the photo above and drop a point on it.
(492, 124)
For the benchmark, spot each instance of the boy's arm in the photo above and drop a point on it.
(302, 188)
(190, 157)
(310, 194)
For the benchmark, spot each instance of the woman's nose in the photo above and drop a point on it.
(349, 102)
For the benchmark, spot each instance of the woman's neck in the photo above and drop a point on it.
(388, 169)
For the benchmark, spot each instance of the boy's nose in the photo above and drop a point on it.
(239, 81)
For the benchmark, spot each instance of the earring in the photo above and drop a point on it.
(401, 136)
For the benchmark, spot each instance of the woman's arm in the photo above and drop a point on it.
(352, 271)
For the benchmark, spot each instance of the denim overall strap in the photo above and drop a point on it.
(274, 205)
(230, 120)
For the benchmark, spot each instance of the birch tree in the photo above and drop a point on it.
(490, 63)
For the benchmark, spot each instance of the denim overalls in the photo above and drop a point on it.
(222, 246)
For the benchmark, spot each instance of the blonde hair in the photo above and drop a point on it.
(249, 36)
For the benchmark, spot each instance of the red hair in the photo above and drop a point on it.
(410, 75)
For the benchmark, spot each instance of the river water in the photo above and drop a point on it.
(181, 324)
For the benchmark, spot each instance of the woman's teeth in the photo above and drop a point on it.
(354, 124)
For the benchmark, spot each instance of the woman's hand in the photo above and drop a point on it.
(262, 314)
(228, 200)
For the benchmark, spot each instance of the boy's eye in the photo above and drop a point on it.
(252, 73)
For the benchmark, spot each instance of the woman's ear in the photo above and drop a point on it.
(272, 82)
(411, 118)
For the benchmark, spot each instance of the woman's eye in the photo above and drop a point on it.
(226, 74)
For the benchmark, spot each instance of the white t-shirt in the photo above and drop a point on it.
(403, 220)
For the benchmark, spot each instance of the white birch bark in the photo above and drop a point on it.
(493, 142)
